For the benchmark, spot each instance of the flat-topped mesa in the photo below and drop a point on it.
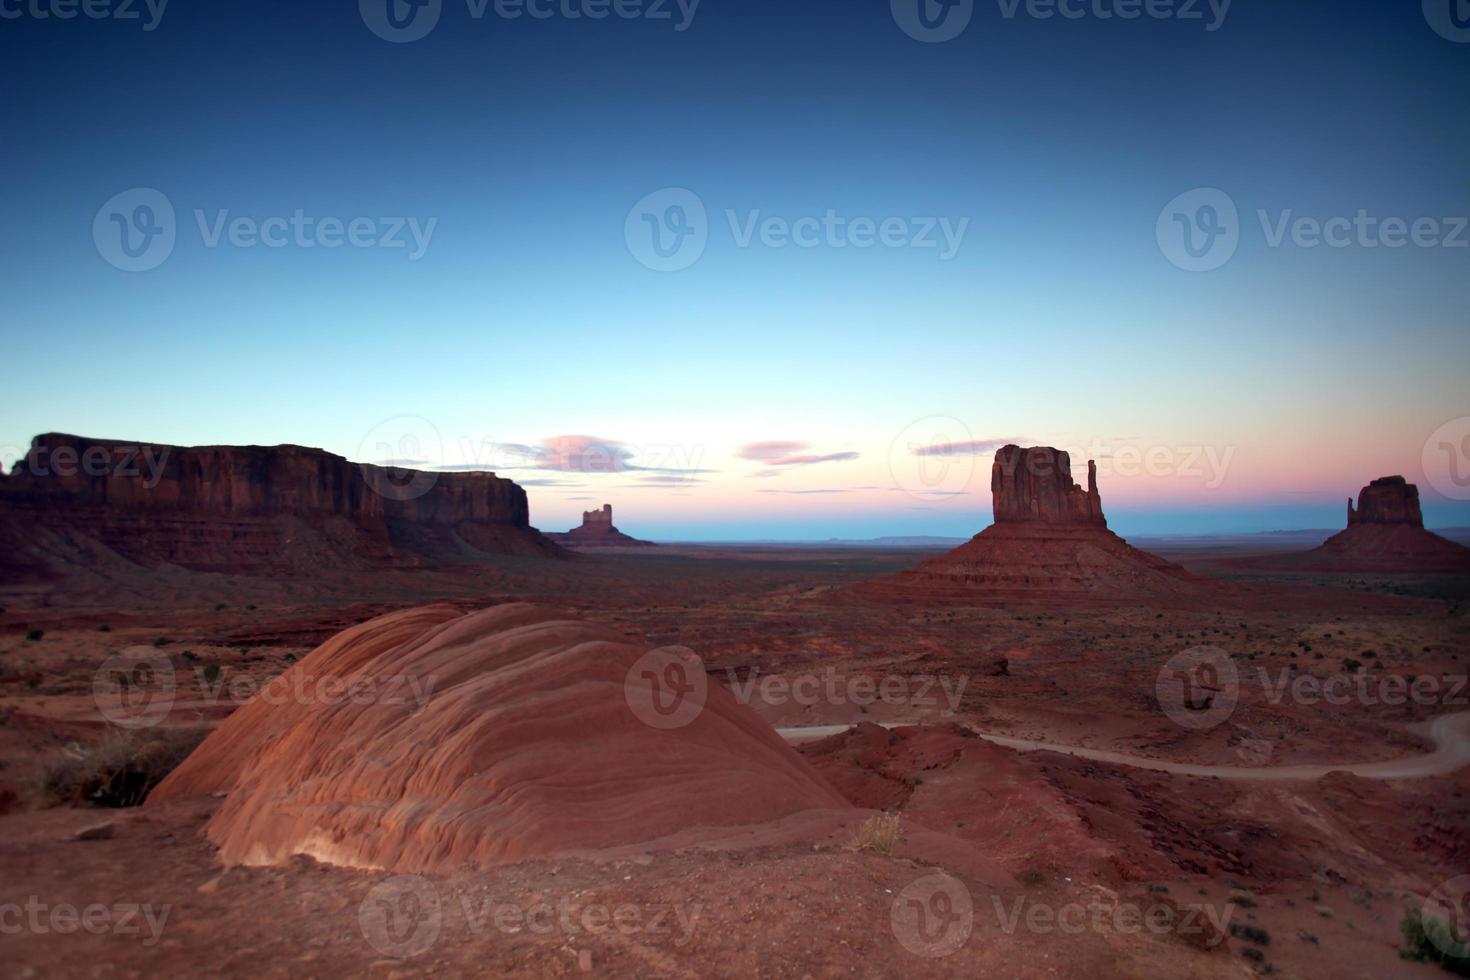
(597, 530)
(598, 518)
(1034, 486)
(250, 508)
(1387, 500)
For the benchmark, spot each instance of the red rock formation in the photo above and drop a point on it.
(530, 740)
(1050, 540)
(1387, 500)
(1034, 486)
(597, 531)
(1384, 534)
(247, 508)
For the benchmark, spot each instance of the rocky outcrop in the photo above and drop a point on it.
(484, 738)
(1050, 541)
(597, 531)
(1034, 486)
(1385, 534)
(1387, 500)
(257, 508)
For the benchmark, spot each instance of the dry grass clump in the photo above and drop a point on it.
(116, 772)
(879, 833)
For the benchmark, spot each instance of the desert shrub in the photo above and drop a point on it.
(879, 833)
(34, 635)
(117, 772)
(1251, 934)
(1431, 940)
(104, 628)
(1032, 877)
(211, 673)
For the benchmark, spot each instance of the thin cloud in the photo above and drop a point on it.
(787, 452)
(972, 447)
(581, 454)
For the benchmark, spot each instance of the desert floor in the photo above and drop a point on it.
(1059, 857)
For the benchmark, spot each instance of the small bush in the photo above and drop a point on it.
(1032, 877)
(104, 628)
(34, 635)
(211, 673)
(116, 773)
(1251, 934)
(1430, 940)
(878, 833)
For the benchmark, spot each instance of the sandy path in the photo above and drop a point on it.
(1449, 733)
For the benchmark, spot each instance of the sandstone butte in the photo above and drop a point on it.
(248, 509)
(597, 530)
(1050, 540)
(528, 744)
(1384, 533)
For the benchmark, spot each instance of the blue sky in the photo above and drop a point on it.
(524, 144)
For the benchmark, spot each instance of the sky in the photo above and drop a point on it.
(738, 268)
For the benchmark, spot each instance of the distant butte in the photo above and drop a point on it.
(1050, 540)
(597, 531)
(1385, 533)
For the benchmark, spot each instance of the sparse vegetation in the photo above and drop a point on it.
(118, 772)
(878, 833)
(34, 636)
(1432, 940)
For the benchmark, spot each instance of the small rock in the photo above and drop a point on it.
(97, 831)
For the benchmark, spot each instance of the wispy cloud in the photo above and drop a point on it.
(973, 447)
(786, 452)
(582, 454)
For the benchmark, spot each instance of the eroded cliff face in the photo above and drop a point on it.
(246, 508)
(1034, 486)
(1387, 500)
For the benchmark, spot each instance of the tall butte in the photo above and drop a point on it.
(1384, 533)
(1049, 540)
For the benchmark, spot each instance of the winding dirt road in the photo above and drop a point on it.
(1449, 733)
